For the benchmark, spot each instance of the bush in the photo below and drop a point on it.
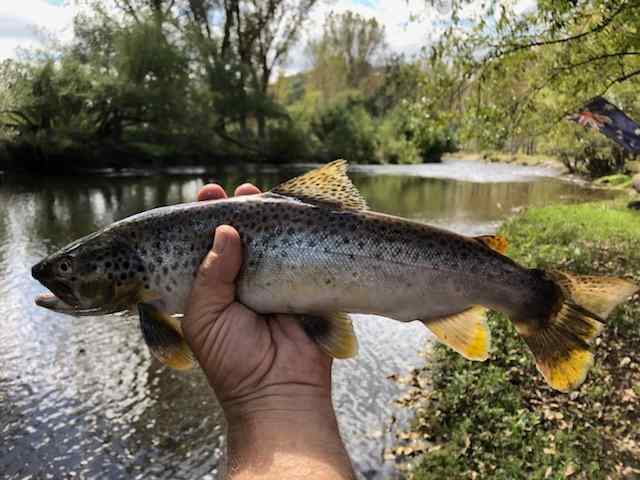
(287, 142)
(346, 130)
(394, 145)
(432, 136)
(586, 152)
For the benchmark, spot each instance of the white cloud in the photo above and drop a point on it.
(22, 23)
(409, 24)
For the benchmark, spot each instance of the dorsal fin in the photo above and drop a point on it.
(328, 184)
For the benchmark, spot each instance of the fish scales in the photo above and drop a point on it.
(300, 258)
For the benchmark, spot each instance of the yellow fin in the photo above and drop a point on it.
(163, 337)
(494, 242)
(333, 332)
(560, 341)
(328, 184)
(466, 332)
(560, 345)
(599, 295)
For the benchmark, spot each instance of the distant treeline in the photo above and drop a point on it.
(164, 82)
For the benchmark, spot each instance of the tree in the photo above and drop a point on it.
(525, 71)
(350, 44)
(241, 51)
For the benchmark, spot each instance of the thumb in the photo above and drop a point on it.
(214, 289)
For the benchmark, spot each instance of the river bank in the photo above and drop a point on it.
(617, 181)
(498, 419)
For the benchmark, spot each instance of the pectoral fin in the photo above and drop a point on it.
(333, 332)
(162, 334)
(466, 332)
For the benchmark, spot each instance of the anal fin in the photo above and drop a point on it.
(163, 337)
(466, 332)
(333, 332)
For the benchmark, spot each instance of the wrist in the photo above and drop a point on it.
(298, 430)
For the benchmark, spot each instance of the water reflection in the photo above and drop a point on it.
(83, 397)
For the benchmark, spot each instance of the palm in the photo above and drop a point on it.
(253, 354)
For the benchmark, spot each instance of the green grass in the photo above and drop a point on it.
(498, 419)
(617, 180)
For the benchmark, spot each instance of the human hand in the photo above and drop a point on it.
(272, 381)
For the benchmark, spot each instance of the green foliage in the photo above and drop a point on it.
(519, 76)
(497, 419)
(346, 130)
(589, 152)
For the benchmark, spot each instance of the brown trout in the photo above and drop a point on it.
(311, 247)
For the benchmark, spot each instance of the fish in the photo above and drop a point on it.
(313, 248)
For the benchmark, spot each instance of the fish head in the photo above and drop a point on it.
(92, 276)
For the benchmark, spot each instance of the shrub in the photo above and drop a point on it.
(346, 130)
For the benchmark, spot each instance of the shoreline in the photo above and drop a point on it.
(498, 419)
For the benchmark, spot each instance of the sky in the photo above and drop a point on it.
(22, 23)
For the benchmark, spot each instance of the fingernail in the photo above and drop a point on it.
(219, 241)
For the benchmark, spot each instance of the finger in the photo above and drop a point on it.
(214, 288)
(246, 189)
(211, 191)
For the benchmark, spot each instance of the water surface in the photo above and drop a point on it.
(83, 397)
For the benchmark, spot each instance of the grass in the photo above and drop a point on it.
(498, 419)
(617, 180)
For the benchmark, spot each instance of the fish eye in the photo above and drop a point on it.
(64, 266)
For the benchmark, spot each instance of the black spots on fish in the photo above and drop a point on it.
(360, 244)
(123, 276)
(147, 286)
(165, 270)
(315, 327)
(93, 267)
(328, 281)
(107, 265)
(157, 245)
(152, 268)
(159, 259)
(168, 288)
(140, 268)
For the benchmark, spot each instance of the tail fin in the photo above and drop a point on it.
(560, 341)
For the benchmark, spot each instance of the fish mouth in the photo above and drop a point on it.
(56, 304)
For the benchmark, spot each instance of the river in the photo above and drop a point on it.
(83, 398)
